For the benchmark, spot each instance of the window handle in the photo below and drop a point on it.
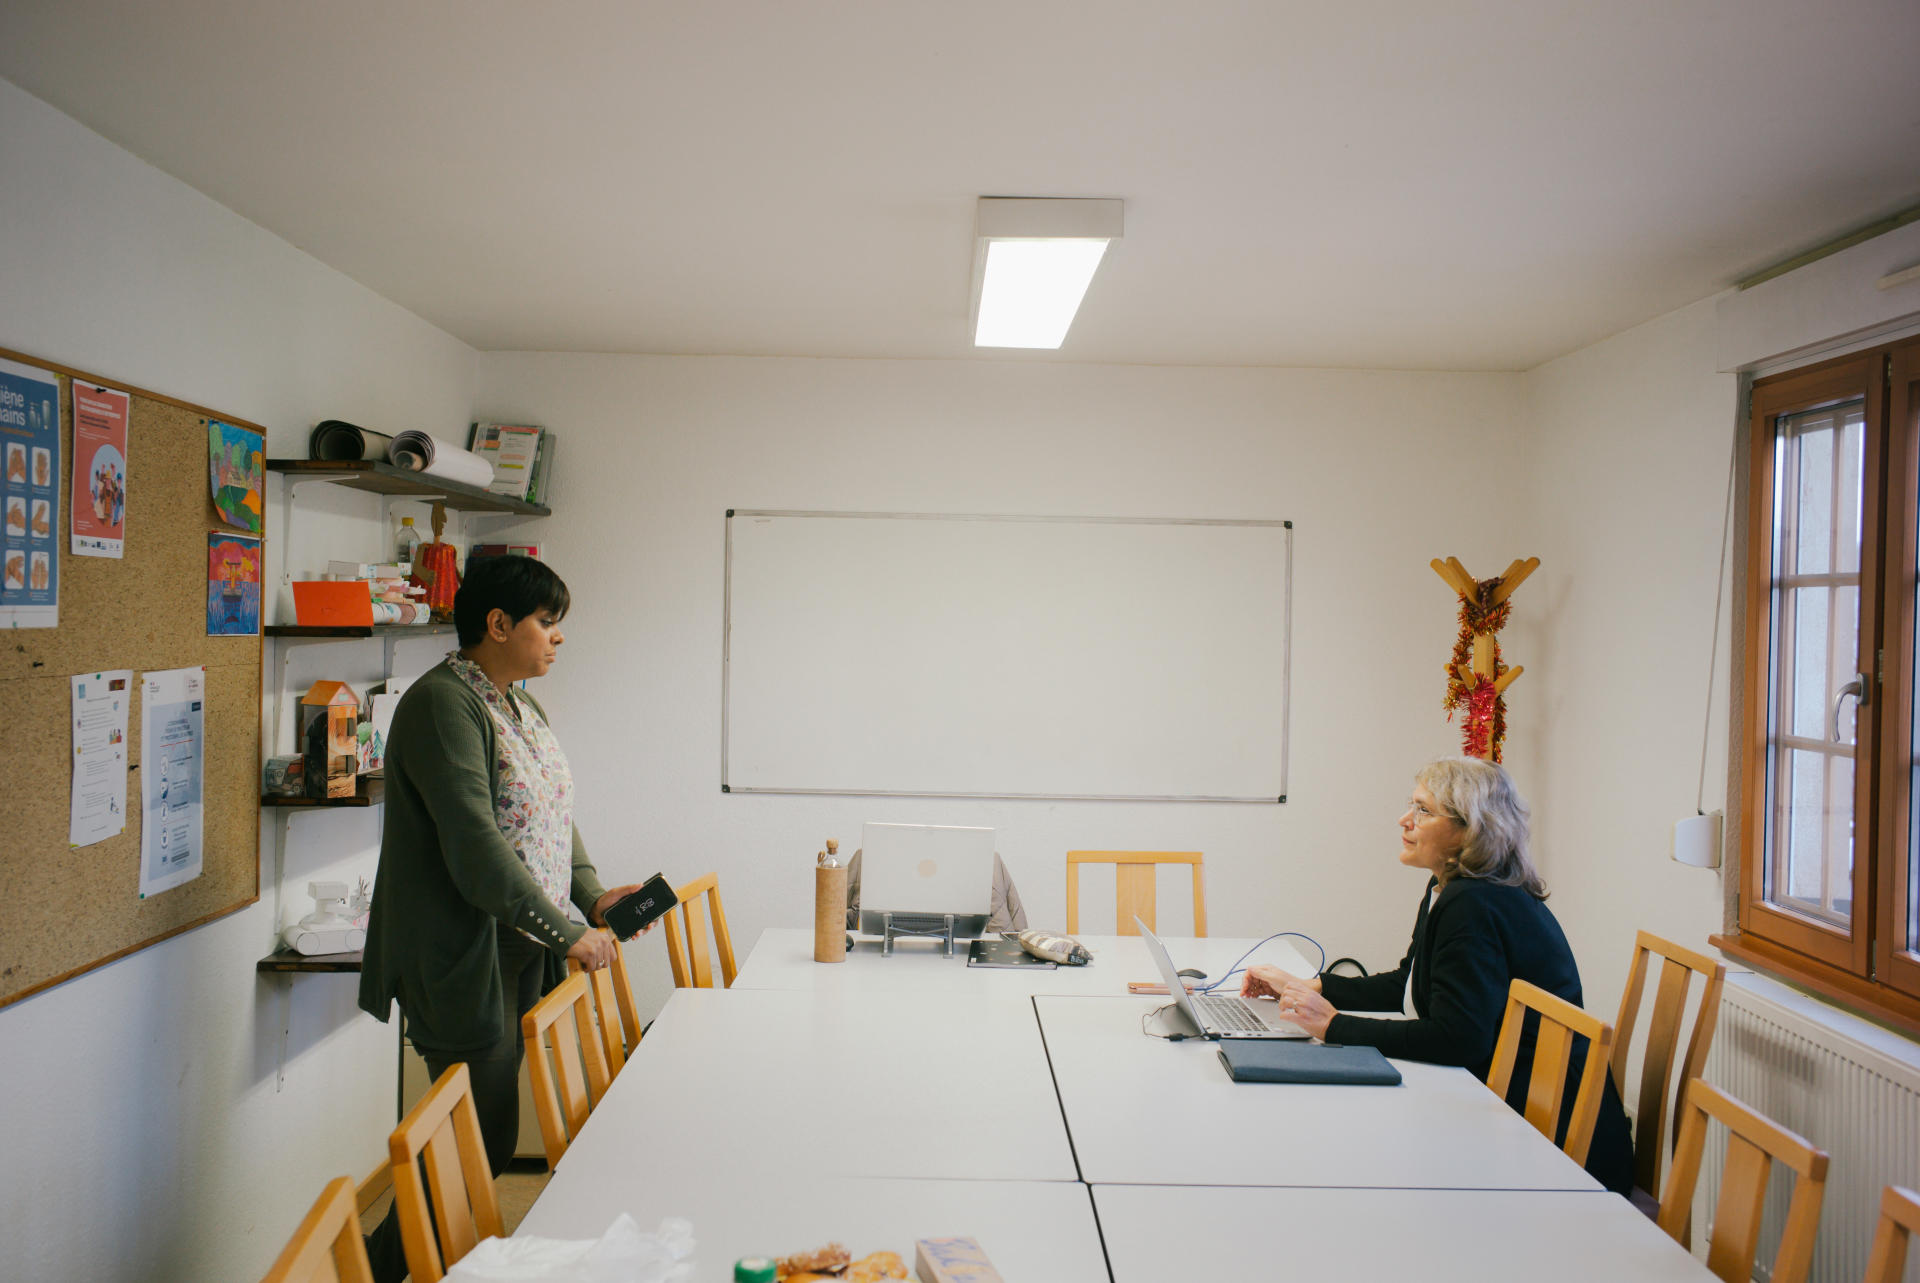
(1858, 688)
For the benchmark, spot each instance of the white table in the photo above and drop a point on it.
(1390, 1235)
(765, 1201)
(1145, 1111)
(878, 1085)
(783, 959)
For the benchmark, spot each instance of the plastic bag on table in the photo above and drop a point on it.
(624, 1254)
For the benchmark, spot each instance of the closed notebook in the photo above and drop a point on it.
(1294, 1061)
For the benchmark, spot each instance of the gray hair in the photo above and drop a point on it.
(1480, 796)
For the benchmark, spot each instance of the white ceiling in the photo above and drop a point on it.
(1474, 184)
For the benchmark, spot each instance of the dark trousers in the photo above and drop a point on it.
(494, 1072)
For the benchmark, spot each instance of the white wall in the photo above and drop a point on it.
(1379, 472)
(1629, 446)
(146, 1128)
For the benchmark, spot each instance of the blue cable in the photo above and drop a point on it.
(1236, 968)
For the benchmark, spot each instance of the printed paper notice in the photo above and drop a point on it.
(30, 490)
(172, 764)
(100, 704)
(99, 500)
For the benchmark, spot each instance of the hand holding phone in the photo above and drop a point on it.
(631, 914)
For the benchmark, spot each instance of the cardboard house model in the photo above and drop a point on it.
(329, 715)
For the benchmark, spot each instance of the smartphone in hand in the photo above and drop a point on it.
(631, 914)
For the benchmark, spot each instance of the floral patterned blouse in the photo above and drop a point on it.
(533, 799)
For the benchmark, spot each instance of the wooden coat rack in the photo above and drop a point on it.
(1476, 678)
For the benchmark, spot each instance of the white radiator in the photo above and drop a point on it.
(1858, 1101)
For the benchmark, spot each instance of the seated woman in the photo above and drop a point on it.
(1482, 924)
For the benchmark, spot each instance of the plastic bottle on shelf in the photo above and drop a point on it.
(407, 545)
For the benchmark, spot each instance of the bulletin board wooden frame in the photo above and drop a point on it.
(65, 910)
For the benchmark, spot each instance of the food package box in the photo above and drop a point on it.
(952, 1260)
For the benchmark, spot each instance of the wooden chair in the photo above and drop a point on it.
(1899, 1221)
(327, 1248)
(442, 1132)
(612, 1005)
(1753, 1142)
(561, 1033)
(1560, 1023)
(688, 954)
(1133, 887)
(1652, 1138)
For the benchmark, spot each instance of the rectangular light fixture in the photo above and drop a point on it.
(1033, 260)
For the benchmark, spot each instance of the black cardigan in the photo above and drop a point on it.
(1477, 938)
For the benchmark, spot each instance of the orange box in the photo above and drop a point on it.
(332, 604)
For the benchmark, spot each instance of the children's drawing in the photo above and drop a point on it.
(236, 461)
(233, 586)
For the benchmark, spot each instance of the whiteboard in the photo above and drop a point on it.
(988, 656)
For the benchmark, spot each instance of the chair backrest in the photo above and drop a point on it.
(561, 1034)
(1560, 1023)
(1133, 887)
(687, 951)
(1899, 1221)
(1652, 1137)
(613, 1005)
(442, 1133)
(1753, 1141)
(327, 1248)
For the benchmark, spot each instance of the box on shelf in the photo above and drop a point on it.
(331, 603)
(504, 550)
(285, 777)
(329, 721)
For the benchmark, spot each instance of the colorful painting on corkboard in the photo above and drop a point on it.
(237, 468)
(233, 585)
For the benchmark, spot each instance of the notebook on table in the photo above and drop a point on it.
(1215, 1015)
(1306, 1062)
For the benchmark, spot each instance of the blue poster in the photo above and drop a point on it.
(30, 494)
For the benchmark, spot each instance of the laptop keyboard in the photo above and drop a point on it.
(1228, 1013)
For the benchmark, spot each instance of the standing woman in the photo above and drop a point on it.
(1483, 923)
(484, 889)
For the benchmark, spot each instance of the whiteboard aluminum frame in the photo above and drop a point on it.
(726, 656)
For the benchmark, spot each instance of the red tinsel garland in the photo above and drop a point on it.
(1486, 722)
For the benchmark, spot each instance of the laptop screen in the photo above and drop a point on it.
(1176, 987)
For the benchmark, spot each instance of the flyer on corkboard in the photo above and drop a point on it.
(99, 499)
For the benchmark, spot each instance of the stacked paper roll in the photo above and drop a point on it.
(338, 439)
(437, 457)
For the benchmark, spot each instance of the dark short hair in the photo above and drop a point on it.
(518, 585)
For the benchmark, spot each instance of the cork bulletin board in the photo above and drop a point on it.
(64, 909)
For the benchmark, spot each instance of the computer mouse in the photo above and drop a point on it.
(1191, 973)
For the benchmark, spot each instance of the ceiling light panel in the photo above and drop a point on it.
(1033, 260)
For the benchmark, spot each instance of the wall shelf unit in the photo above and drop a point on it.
(287, 962)
(386, 479)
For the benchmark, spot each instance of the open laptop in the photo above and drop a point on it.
(921, 872)
(1218, 1015)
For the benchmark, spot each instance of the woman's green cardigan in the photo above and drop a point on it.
(448, 876)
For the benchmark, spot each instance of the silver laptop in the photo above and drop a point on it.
(921, 872)
(1218, 1015)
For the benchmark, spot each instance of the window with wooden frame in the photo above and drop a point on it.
(1829, 819)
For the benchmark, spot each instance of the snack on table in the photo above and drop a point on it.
(827, 1260)
(834, 1264)
(875, 1267)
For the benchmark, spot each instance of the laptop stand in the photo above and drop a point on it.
(919, 925)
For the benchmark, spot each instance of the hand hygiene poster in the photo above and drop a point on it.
(99, 500)
(29, 489)
(172, 762)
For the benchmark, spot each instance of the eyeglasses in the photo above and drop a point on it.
(1423, 812)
